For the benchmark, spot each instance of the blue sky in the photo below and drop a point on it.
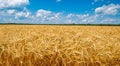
(60, 11)
(68, 6)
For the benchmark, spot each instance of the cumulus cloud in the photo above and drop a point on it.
(12, 11)
(110, 9)
(43, 13)
(77, 18)
(46, 16)
(23, 14)
(109, 20)
(13, 3)
(50, 17)
(15, 16)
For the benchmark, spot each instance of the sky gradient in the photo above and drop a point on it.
(60, 11)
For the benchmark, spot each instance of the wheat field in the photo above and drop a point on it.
(43, 45)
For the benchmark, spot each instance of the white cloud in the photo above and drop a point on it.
(70, 15)
(48, 17)
(42, 13)
(45, 16)
(13, 3)
(11, 11)
(111, 20)
(110, 9)
(14, 11)
(23, 14)
(77, 15)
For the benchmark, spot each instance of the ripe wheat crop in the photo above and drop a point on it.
(41, 45)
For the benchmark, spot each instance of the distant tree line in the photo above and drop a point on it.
(61, 24)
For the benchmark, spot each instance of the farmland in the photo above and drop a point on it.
(45, 45)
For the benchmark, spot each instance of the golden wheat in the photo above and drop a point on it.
(36, 45)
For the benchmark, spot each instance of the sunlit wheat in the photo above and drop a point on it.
(41, 45)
